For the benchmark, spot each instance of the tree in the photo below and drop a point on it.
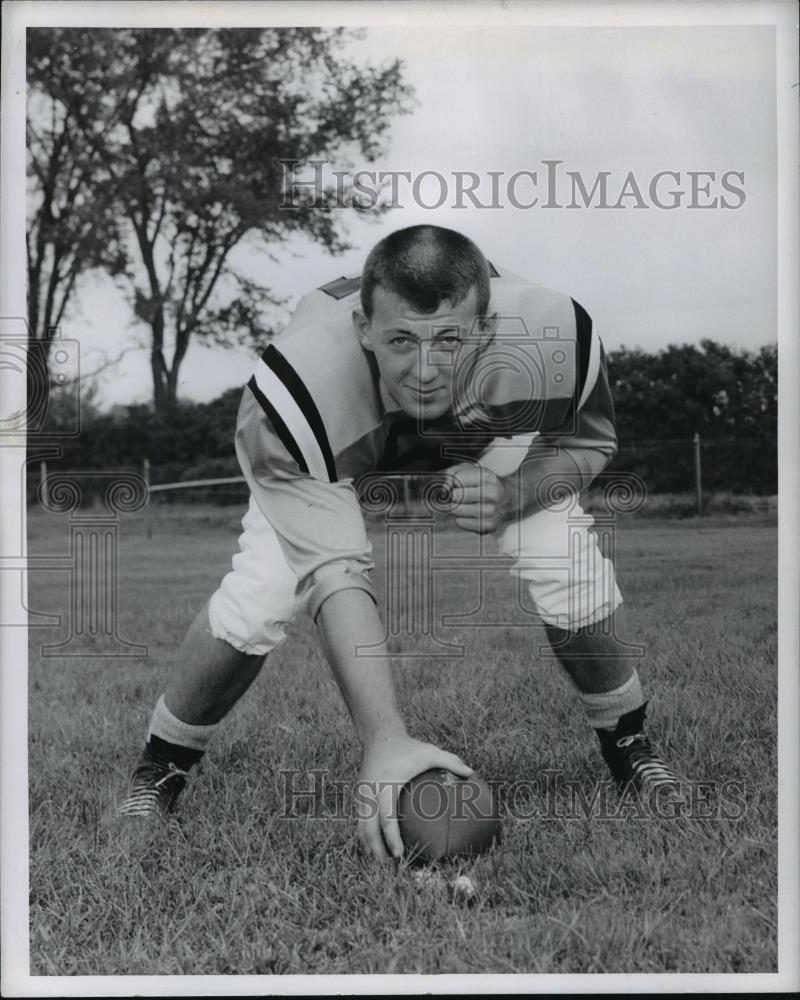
(708, 388)
(71, 224)
(190, 129)
(729, 397)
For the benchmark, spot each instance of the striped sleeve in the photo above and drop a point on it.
(589, 436)
(593, 424)
(287, 403)
(588, 356)
(286, 459)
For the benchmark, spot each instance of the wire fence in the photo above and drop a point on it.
(702, 465)
(698, 468)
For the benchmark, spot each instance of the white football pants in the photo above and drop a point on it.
(570, 582)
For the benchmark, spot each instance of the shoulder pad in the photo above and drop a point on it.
(340, 288)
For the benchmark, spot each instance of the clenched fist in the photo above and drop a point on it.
(479, 500)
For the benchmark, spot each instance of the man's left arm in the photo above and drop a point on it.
(566, 459)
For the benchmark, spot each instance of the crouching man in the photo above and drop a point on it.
(431, 353)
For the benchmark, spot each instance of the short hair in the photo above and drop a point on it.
(425, 266)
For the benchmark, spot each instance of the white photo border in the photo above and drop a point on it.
(16, 979)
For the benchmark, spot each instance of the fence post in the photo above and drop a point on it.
(146, 476)
(698, 474)
(44, 492)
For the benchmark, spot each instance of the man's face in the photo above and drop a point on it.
(417, 353)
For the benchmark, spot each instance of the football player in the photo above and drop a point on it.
(431, 353)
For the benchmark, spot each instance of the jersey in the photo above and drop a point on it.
(315, 417)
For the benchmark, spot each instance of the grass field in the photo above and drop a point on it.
(233, 885)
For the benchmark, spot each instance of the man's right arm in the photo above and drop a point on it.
(322, 534)
(351, 631)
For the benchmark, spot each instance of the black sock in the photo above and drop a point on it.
(172, 753)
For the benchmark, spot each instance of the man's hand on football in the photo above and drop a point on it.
(479, 500)
(387, 766)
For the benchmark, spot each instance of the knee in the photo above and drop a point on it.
(247, 622)
(570, 582)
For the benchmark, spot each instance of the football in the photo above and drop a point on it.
(444, 816)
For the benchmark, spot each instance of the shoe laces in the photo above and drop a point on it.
(625, 741)
(172, 772)
(147, 796)
(644, 761)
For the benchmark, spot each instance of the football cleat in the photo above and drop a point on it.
(154, 789)
(631, 758)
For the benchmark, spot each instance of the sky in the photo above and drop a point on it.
(632, 101)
